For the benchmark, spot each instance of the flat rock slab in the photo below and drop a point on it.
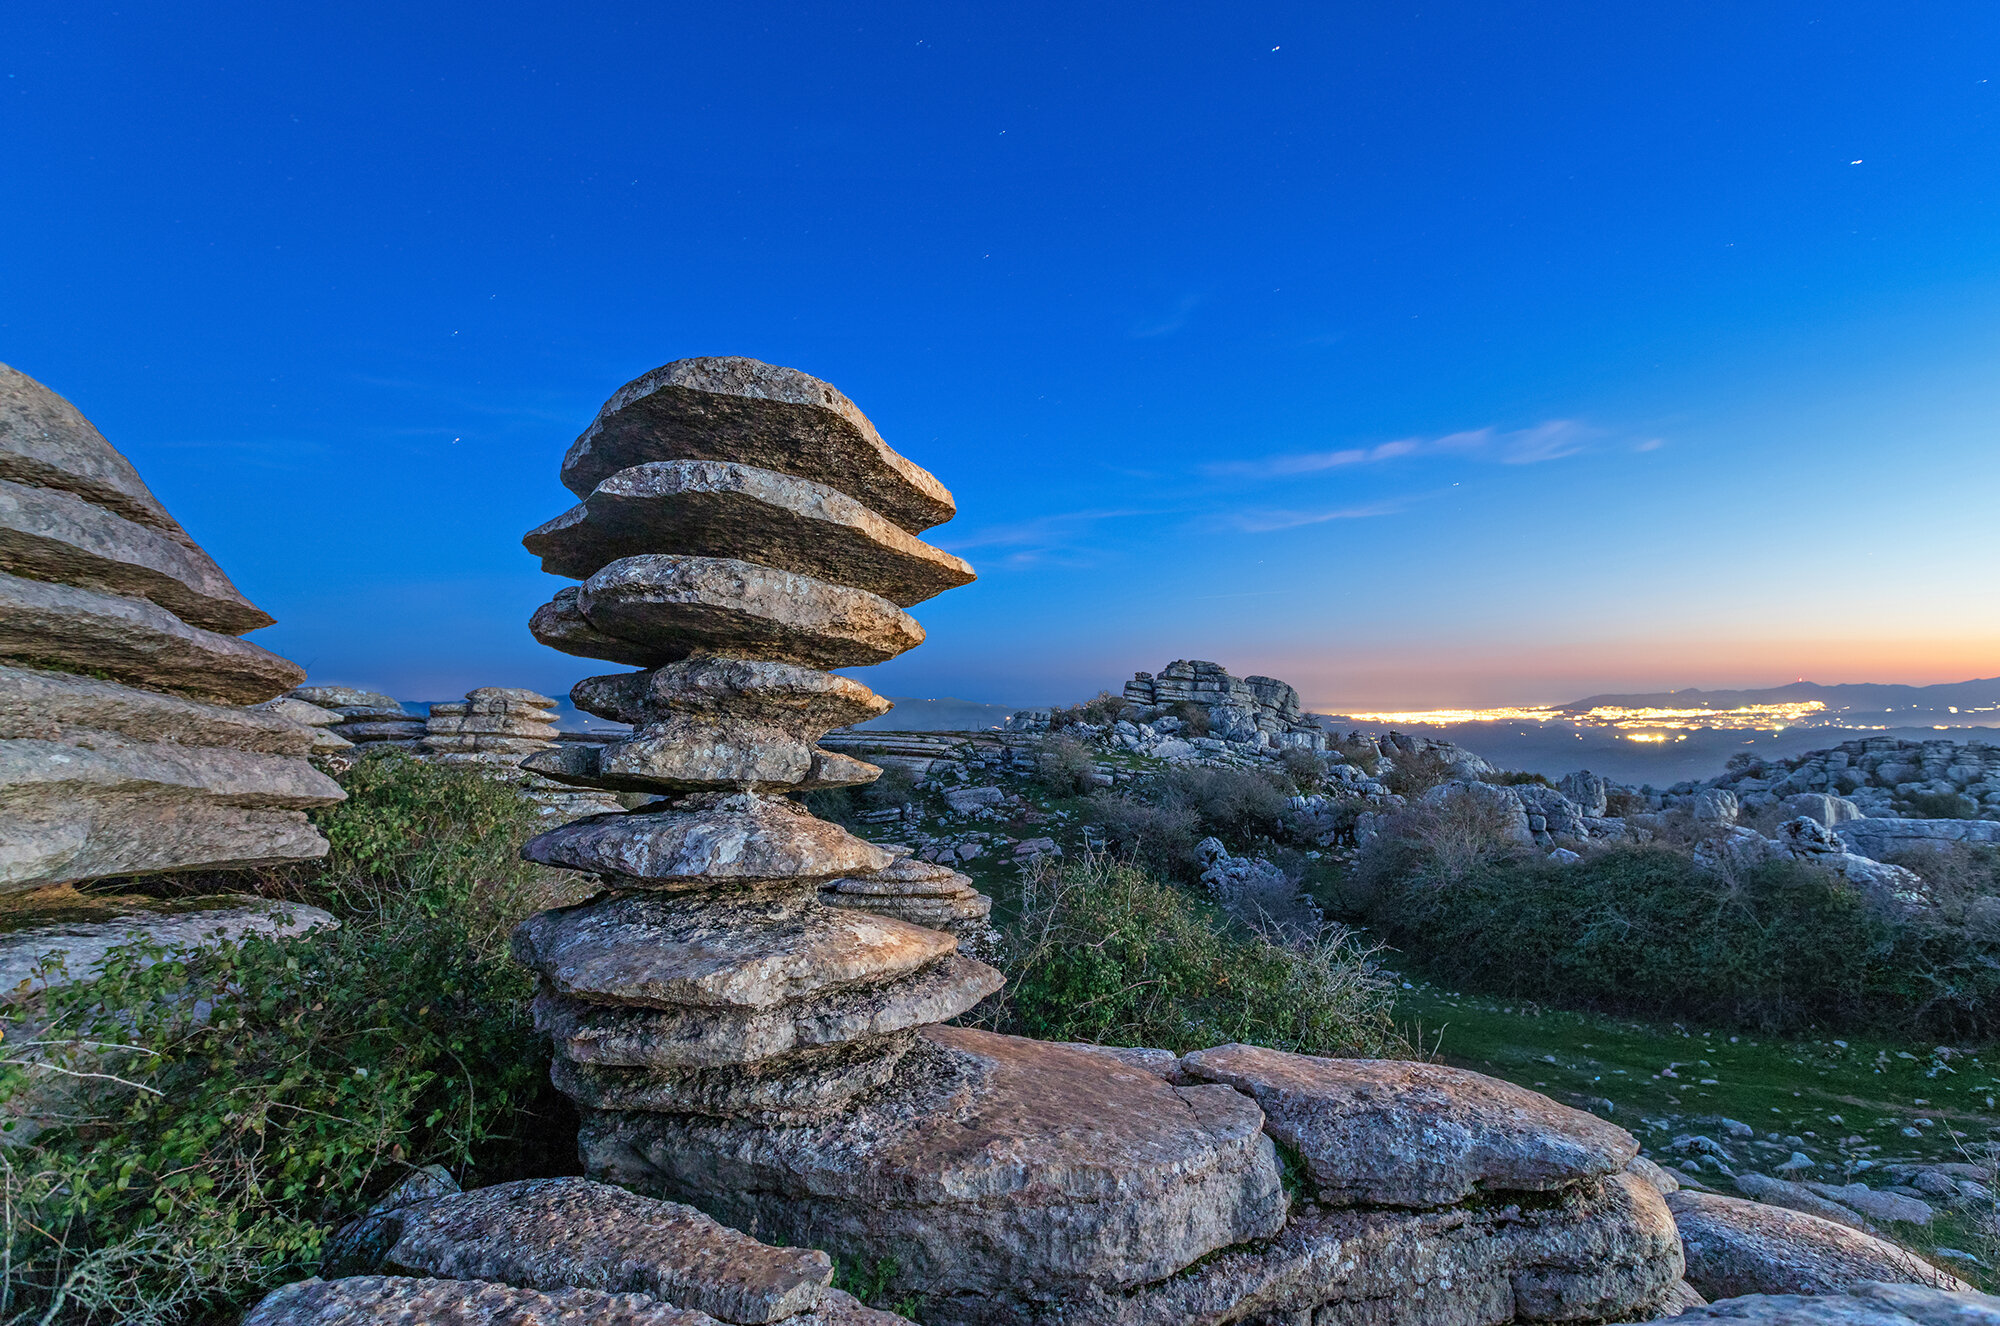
(1797, 1197)
(1874, 1203)
(1740, 1247)
(344, 697)
(708, 842)
(1598, 1251)
(71, 812)
(560, 624)
(718, 509)
(391, 1300)
(803, 1087)
(804, 701)
(705, 1037)
(720, 952)
(45, 441)
(663, 607)
(553, 1234)
(65, 941)
(1382, 1132)
(51, 706)
(136, 642)
(728, 408)
(990, 1163)
(51, 535)
(737, 756)
(1863, 1305)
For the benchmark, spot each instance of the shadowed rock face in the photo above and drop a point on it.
(732, 409)
(122, 746)
(1862, 1305)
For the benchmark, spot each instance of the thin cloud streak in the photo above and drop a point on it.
(1551, 440)
(1271, 521)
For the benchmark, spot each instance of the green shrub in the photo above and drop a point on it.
(1515, 778)
(1068, 767)
(1938, 806)
(1101, 710)
(1415, 772)
(1782, 947)
(1160, 823)
(256, 1096)
(1193, 717)
(1105, 953)
(1305, 769)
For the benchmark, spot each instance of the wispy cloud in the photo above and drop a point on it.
(1269, 521)
(1059, 538)
(1183, 310)
(1547, 441)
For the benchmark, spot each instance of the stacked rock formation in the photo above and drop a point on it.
(501, 727)
(735, 1043)
(368, 719)
(922, 893)
(1260, 711)
(125, 743)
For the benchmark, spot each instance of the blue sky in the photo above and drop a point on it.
(1418, 354)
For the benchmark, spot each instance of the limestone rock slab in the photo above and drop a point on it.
(720, 509)
(553, 1234)
(705, 1037)
(728, 408)
(804, 1086)
(1390, 1133)
(710, 758)
(342, 698)
(561, 625)
(706, 842)
(394, 1300)
(50, 706)
(1740, 1247)
(990, 1163)
(46, 442)
(134, 641)
(805, 702)
(664, 607)
(1863, 1305)
(725, 952)
(67, 942)
(73, 812)
(51, 535)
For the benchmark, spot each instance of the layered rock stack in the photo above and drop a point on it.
(1258, 711)
(922, 893)
(126, 746)
(368, 719)
(492, 725)
(735, 1043)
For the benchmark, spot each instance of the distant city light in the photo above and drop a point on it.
(1620, 717)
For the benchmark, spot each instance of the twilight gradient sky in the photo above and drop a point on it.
(1419, 354)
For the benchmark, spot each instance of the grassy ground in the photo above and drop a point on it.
(1849, 1104)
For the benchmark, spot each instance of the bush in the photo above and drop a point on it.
(1306, 769)
(1171, 813)
(1938, 806)
(1515, 778)
(1105, 953)
(1438, 841)
(1782, 947)
(1068, 767)
(896, 787)
(1415, 772)
(259, 1095)
(1101, 710)
(1193, 717)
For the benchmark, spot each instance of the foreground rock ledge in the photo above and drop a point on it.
(391, 1300)
(992, 1165)
(1736, 1247)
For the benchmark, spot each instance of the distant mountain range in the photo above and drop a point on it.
(1968, 701)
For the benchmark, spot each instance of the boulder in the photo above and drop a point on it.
(1798, 1197)
(717, 509)
(739, 410)
(1874, 1203)
(1861, 1305)
(1740, 1247)
(555, 1234)
(992, 1165)
(1389, 1133)
(1714, 805)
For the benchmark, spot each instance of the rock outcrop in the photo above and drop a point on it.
(1257, 711)
(368, 719)
(125, 746)
(1742, 1247)
(751, 1016)
(501, 728)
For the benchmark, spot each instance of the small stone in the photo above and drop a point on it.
(55, 536)
(135, 642)
(717, 509)
(664, 607)
(727, 951)
(733, 409)
(706, 842)
(552, 1234)
(1740, 1247)
(707, 1037)
(1389, 1133)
